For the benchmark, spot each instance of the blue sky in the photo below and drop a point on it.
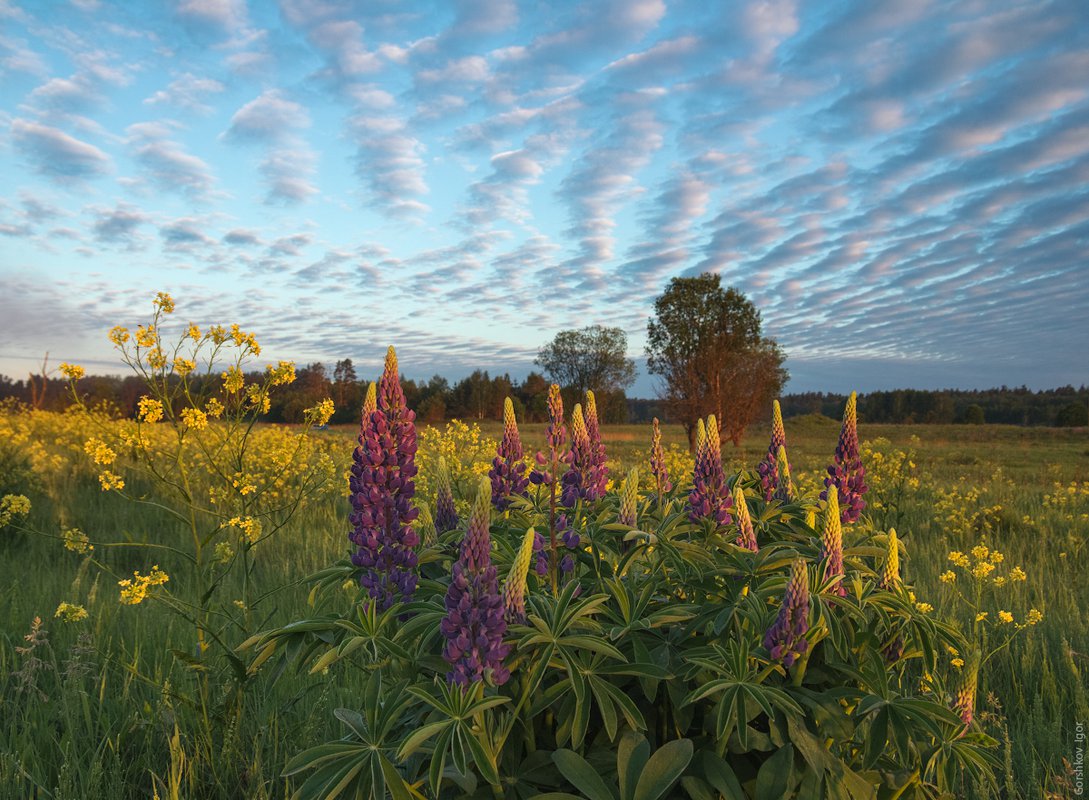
(901, 187)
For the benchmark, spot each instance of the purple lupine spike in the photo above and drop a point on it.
(556, 438)
(597, 476)
(846, 473)
(576, 481)
(768, 468)
(710, 497)
(507, 472)
(571, 540)
(382, 486)
(785, 639)
(446, 515)
(746, 536)
(658, 467)
(784, 490)
(832, 545)
(475, 623)
(540, 554)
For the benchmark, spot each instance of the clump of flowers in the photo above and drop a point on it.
(629, 496)
(710, 497)
(507, 473)
(446, 515)
(846, 473)
(12, 506)
(70, 612)
(514, 588)
(475, 624)
(658, 466)
(746, 536)
(768, 469)
(382, 486)
(785, 639)
(134, 590)
(832, 545)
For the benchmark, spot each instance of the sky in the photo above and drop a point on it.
(902, 188)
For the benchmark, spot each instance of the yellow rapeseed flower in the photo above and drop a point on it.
(165, 302)
(194, 418)
(926, 608)
(997, 557)
(156, 358)
(134, 590)
(319, 415)
(250, 527)
(233, 379)
(283, 373)
(1005, 617)
(958, 558)
(119, 334)
(11, 506)
(1034, 616)
(980, 552)
(948, 577)
(145, 336)
(193, 332)
(72, 372)
(214, 408)
(224, 552)
(149, 410)
(258, 398)
(69, 612)
(111, 481)
(183, 366)
(982, 615)
(1018, 574)
(983, 569)
(957, 662)
(99, 451)
(76, 540)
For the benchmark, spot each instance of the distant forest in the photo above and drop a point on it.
(480, 396)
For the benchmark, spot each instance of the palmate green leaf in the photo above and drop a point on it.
(581, 775)
(776, 776)
(631, 757)
(720, 775)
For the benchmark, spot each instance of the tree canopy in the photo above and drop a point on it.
(592, 358)
(706, 345)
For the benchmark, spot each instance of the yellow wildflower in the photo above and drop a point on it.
(983, 569)
(149, 410)
(76, 540)
(194, 418)
(1018, 574)
(119, 334)
(958, 558)
(957, 662)
(183, 366)
(134, 590)
(980, 552)
(319, 415)
(244, 484)
(258, 398)
(69, 612)
(110, 481)
(926, 608)
(233, 379)
(193, 332)
(982, 615)
(156, 359)
(72, 372)
(1005, 617)
(997, 557)
(214, 408)
(99, 451)
(11, 506)
(1000, 581)
(145, 336)
(1034, 616)
(218, 334)
(948, 577)
(165, 302)
(283, 373)
(250, 527)
(224, 552)
(952, 650)
(237, 335)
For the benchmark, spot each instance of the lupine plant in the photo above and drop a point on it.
(676, 658)
(846, 473)
(768, 469)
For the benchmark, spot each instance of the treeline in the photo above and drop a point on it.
(1063, 407)
(478, 396)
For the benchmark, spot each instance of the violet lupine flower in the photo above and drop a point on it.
(768, 469)
(847, 473)
(785, 639)
(540, 566)
(571, 540)
(784, 489)
(657, 463)
(629, 498)
(446, 516)
(832, 545)
(710, 497)
(746, 536)
(514, 588)
(556, 438)
(382, 486)
(474, 624)
(507, 473)
(576, 481)
(597, 475)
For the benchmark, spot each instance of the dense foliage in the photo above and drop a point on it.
(700, 642)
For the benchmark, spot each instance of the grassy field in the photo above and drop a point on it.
(115, 705)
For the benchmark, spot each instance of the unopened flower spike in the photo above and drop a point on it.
(597, 473)
(965, 703)
(832, 545)
(746, 534)
(769, 469)
(514, 588)
(507, 473)
(710, 497)
(785, 639)
(629, 497)
(370, 402)
(446, 516)
(784, 489)
(576, 480)
(657, 462)
(890, 573)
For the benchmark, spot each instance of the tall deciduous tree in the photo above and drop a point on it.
(592, 358)
(705, 344)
